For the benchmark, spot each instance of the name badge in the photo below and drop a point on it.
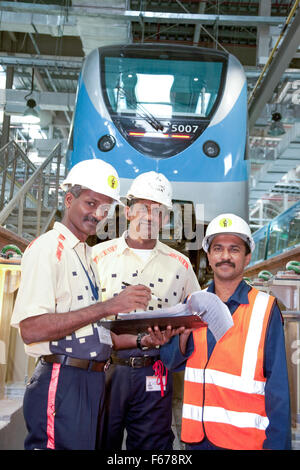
(104, 335)
(153, 385)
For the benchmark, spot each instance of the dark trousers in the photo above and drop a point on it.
(146, 416)
(61, 407)
(204, 445)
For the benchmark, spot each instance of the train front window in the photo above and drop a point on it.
(161, 105)
(167, 88)
(151, 93)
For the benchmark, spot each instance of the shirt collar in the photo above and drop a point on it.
(240, 295)
(61, 228)
(122, 245)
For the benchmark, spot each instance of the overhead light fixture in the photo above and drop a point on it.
(276, 128)
(30, 115)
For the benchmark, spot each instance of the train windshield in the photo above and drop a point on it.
(162, 97)
(162, 88)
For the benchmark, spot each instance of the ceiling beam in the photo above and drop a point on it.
(35, 15)
(13, 101)
(185, 18)
(55, 62)
(279, 64)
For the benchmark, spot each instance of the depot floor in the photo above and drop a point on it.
(13, 431)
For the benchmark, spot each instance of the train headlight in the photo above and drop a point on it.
(106, 143)
(211, 149)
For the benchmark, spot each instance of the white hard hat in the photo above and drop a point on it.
(230, 224)
(94, 174)
(152, 186)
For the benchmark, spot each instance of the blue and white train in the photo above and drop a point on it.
(178, 110)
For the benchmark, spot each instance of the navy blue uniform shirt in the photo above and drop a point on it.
(275, 369)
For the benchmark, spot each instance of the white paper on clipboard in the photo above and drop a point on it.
(205, 304)
(212, 310)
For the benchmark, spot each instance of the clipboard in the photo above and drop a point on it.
(141, 325)
(203, 309)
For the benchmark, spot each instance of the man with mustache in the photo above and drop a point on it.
(138, 400)
(57, 310)
(236, 392)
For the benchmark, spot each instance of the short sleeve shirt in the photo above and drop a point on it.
(168, 273)
(53, 280)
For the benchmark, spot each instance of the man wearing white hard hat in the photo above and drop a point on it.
(57, 309)
(140, 388)
(236, 392)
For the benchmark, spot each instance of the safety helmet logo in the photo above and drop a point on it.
(225, 223)
(112, 182)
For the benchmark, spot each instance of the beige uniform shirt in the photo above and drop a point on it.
(54, 281)
(168, 273)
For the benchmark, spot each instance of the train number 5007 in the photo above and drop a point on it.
(188, 128)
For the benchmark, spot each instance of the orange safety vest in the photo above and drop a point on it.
(224, 396)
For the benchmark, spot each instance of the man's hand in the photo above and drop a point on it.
(183, 339)
(129, 299)
(53, 326)
(156, 337)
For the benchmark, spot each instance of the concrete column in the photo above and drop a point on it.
(6, 118)
(263, 34)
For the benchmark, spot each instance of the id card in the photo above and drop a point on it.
(153, 385)
(104, 335)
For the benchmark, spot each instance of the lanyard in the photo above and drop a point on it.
(94, 287)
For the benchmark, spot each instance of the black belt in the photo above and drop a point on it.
(135, 362)
(94, 366)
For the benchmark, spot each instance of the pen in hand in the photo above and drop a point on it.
(127, 284)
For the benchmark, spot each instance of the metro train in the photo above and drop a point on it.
(277, 237)
(178, 110)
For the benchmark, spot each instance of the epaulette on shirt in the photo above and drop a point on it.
(180, 258)
(60, 246)
(105, 252)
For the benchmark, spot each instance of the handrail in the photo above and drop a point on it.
(48, 220)
(23, 155)
(7, 162)
(290, 315)
(39, 192)
(11, 205)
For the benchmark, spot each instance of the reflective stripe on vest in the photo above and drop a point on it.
(234, 389)
(214, 414)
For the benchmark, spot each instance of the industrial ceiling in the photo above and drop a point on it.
(53, 37)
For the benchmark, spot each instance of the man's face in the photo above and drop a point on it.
(146, 218)
(84, 212)
(227, 257)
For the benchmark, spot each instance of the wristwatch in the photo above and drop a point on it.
(139, 341)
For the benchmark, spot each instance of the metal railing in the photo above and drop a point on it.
(15, 169)
(26, 187)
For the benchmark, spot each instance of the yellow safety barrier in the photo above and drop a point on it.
(10, 275)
